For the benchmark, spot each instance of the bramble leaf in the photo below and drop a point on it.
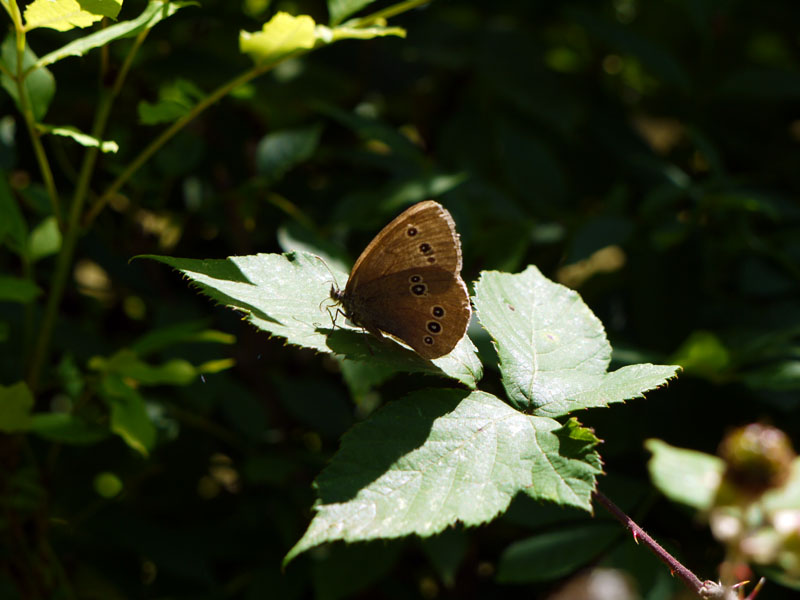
(553, 351)
(288, 295)
(438, 457)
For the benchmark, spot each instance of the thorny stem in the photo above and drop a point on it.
(704, 589)
(640, 536)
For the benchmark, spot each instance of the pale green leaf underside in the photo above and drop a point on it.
(553, 350)
(686, 476)
(288, 295)
(84, 139)
(439, 457)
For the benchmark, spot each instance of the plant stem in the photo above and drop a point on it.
(390, 11)
(27, 115)
(73, 229)
(170, 132)
(639, 535)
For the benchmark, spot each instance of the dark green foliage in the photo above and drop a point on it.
(644, 153)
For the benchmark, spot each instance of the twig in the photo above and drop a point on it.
(704, 589)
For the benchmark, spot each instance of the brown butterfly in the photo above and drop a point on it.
(407, 283)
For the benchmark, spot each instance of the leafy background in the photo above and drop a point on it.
(643, 153)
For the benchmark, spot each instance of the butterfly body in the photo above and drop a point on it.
(407, 282)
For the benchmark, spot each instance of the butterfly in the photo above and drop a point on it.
(407, 283)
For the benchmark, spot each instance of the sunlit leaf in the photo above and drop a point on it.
(282, 35)
(63, 15)
(439, 457)
(553, 351)
(287, 295)
(154, 12)
(84, 139)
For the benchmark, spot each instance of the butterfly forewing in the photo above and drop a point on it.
(423, 235)
(407, 282)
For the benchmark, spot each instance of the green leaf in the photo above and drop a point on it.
(330, 35)
(127, 364)
(553, 350)
(347, 570)
(703, 354)
(16, 402)
(286, 295)
(45, 239)
(445, 552)
(67, 429)
(339, 10)
(39, 86)
(437, 457)
(12, 226)
(154, 12)
(179, 333)
(279, 151)
(129, 418)
(782, 375)
(63, 15)
(175, 99)
(13, 289)
(555, 554)
(84, 139)
(282, 35)
(685, 476)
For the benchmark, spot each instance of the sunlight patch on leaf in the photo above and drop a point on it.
(84, 139)
(330, 35)
(283, 34)
(438, 457)
(63, 15)
(154, 12)
(553, 351)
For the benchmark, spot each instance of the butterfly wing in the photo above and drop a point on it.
(422, 236)
(407, 282)
(427, 308)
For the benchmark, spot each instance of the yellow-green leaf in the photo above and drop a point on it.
(64, 15)
(335, 34)
(281, 35)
